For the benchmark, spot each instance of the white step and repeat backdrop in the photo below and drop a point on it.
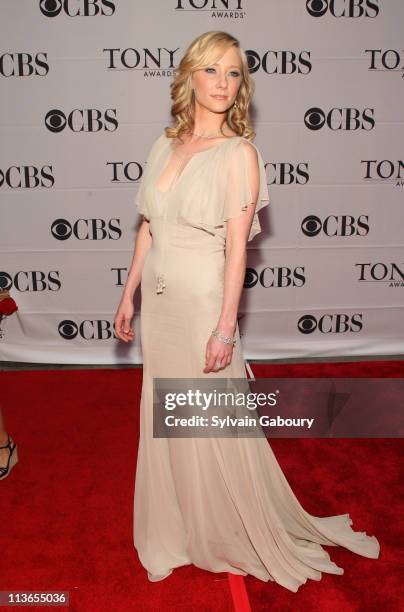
(85, 92)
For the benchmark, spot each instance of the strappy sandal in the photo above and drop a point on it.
(12, 458)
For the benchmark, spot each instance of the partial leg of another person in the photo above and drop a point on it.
(8, 450)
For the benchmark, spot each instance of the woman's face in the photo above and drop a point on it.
(220, 79)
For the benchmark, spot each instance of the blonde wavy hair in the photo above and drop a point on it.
(205, 50)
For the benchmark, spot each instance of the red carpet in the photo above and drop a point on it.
(66, 509)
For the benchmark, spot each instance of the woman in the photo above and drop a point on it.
(222, 504)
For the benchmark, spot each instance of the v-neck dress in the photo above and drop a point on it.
(222, 504)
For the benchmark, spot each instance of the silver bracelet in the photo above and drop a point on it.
(223, 338)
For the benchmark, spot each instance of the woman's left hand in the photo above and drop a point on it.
(218, 355)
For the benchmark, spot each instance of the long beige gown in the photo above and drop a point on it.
(222, 504)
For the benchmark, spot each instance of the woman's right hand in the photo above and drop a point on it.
(122, 321)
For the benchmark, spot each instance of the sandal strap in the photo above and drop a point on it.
(4, 470)
(8, 445)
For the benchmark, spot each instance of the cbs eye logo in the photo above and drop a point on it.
(253, 61)
(5, 280)
(307, 324)
(61, 229)
(68, 329)
(251, 278)
(55, 121)
(50, 8)
(311, 226)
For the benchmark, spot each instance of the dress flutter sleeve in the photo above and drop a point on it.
(221, 188)
(238, 186)
(142, 195)
(140, 199)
